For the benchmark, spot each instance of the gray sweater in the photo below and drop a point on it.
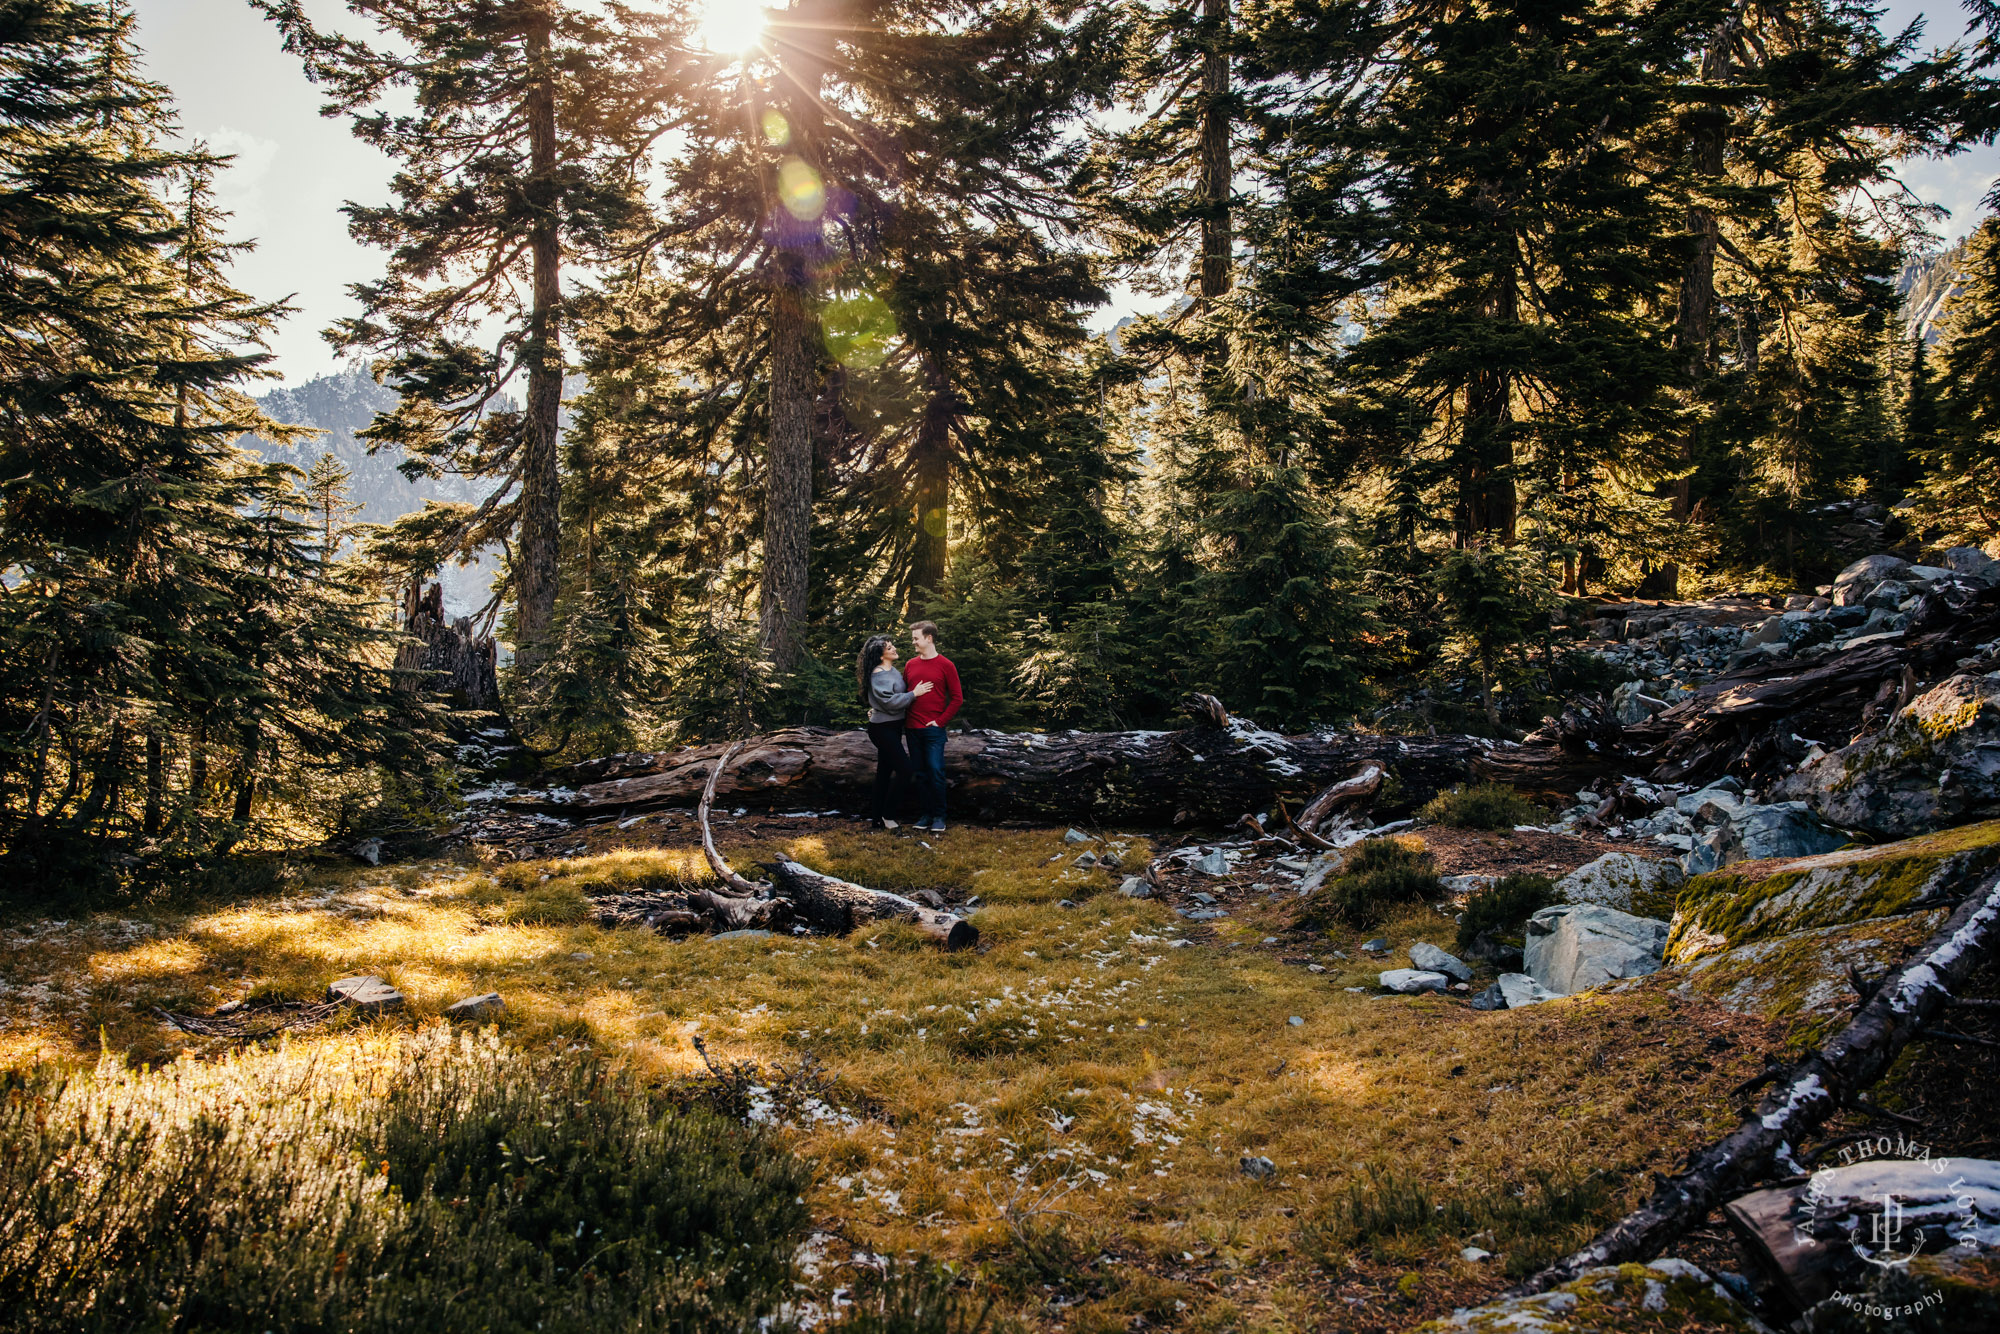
(888, 700)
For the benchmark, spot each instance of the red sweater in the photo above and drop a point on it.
(941, 705)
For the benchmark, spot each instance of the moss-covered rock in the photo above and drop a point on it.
(1666, 1295)
(1766, 900)
(1805, 973)
(1937, 763)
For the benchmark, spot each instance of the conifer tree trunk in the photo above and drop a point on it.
(781, 612)
(932, 453)
(1215, 277)
(155, 780)
(541, 484)
(1486, 505)
(788, 483)
(1694, 321)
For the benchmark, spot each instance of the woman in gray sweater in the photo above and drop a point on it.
(887, 699)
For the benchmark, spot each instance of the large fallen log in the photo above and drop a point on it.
(1204, 774)
(1893, 1015)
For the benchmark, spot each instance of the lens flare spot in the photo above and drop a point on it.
(934, 523)
(801, 189)
(777, 130)
(859, 328)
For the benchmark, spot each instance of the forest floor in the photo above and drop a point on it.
(1063, 1113)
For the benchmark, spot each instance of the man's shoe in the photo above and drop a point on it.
(937, 826)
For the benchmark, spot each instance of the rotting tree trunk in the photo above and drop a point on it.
(1815, 1088)
(445, 655)
(825, 903)
(1202, 775)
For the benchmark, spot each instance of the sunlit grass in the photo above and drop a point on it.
(1082, 1086)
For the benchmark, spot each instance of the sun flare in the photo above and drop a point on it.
(731, 26)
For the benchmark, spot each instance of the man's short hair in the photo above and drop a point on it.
(926, 628)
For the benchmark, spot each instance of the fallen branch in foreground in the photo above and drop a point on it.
(1894, 1015)
(823, 902)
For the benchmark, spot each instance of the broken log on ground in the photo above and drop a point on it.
(1896, 1013)
(823, 902)
(835, 906)
(1350, 791)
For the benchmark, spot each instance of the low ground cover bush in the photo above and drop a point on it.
(1484, 806)
(436, 1182)
(1501, 911)
(1380, 874)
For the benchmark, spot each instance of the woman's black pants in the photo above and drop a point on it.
(892, 769)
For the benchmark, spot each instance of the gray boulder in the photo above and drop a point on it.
(1075, 836)
(1706, 852)
(1573, 947)
(1693, 801)
(476, 1009)
(1870, 570)
(1616, 878)
(1410, 981)
(1936, 764)
(1213, 863)
(1781, 829)
(1888, 595)
(1972, 563)
(1429, 958)
(1518, 990)
(1085, 860)
(1136, 887)
(365, 993)
(1490, 999)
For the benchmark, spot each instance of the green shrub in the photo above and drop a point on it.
(1504, 909)
(435, 1182)
(1485, 806)
(1379, 874)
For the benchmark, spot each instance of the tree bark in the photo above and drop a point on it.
(539, 547)
(155, 781)
(804, 43)
(1815, 1088)
(444, 655)
(1216, 274)
(932, 458)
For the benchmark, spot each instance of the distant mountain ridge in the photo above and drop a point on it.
(340, 405)
(1926, 285)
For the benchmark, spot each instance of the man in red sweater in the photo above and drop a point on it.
(925, 723)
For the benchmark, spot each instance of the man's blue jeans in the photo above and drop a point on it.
(927, 758)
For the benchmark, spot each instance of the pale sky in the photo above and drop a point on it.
(239, 91)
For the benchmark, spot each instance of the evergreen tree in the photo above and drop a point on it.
(1510, 363)
(161, 609)
(1960, 495)
(326, 484)
(518, 155)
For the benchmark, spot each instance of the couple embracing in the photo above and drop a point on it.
(908, 708)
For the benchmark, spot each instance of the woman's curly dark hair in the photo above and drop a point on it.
(865, 665)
